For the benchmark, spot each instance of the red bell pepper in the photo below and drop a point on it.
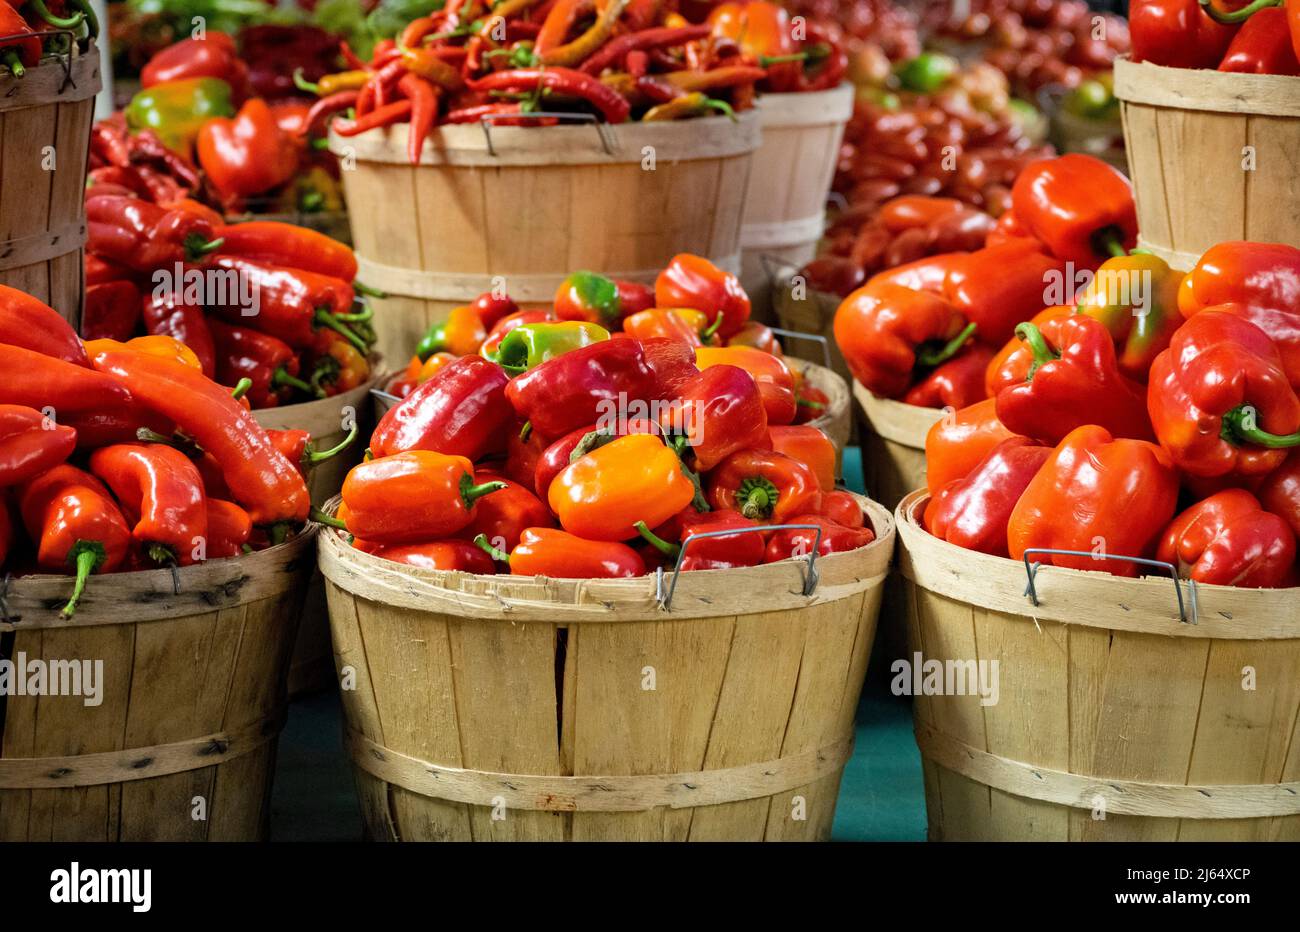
(835, 538)
(590, 297)
(764, 486)
(842, 507)
(1280, 491)
(695, 282)
(886, 331)
(111, 311)
(584, 385)
(504, 515)
(671, 363)
(1176, 33)
(773, 376)
(1262, 46)
(31, 444)
(1079, 206)
(247, 154)
(31, 324)
(561, 555)
(708, 553)
(161, 494)
(1136, 298)
(270, 364)
(212, 56)
(23, 49)
(958, 442)
(955, 384)
(1220, 401)
(973, 511)
(998, 287)
(1228, 539)
(719, 412)
(412, 497)
(1071, 378)
(461, 411)
(447, 555)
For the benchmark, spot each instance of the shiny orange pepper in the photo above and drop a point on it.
(809, 446)
(681, 324)
(603, 494)
(157, 345)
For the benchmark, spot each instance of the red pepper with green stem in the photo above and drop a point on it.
(23, 50)
(886, 332)
(257, 475)
(144, 237)
(957, 383)
(613, 52)
(1177, 34)
(272, 243)
(973, 511)
(169, 314)
(33, 325)
(337, 366)
(247, 154)
(161, 494)
(1220, 401)
(504, 515)
(1099, 495)
(764, 485)
(447, 555)
(1136, 298)
(298, 448)
(724, 552)
(555, 457)
(412, 497)
(563, 81)
(796, 543)
(719, 412)
(76, 525)
(561, 555)
(461, 411)
(1072, 378)
(1079, 206)
(998, 287)
(1263, 45)
(212, 56)
(695, 282)
(270, 364)
(424, 97)
(598, 300)
(1228, 539)
(31, 444)
(811, 403)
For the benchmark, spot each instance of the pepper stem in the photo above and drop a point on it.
(809, 403)
(1237, 16)
(766, 61)
(92, 19)
(13, 63)
(59, 22)
(282, 378)
(757, 498)
(241, 388)
(368, 291)
(161, 554)
(196, 247)
(358, 317)
(303, 84)
(87, 556)
(481, 541)
(526, 431)
(930, 358)
(312, 457)
(1109, 241)
(670, 550)
(712, 103)
(470, 493)
(278, 533)
(321, 517)
(712, 328)
(324, 318)
(1239, 427)
(1043, 352)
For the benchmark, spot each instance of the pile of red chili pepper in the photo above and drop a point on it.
(265, 301)
(616, 60)
(1037, 43)
(125, 456)
(553, 446)
(1259, 37)
(28, 28)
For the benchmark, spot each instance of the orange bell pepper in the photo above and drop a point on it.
(809, 446)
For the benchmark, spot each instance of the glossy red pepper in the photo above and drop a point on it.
(270, 364)
(247, 154)
(842, 507)
(412, 497)
(1079, 206)
(709, 553)
(956, 384)
(582, 386)
(764, 485)
(695, 282)
(998, 287)
(212, 56)
(834, 538)
(290, 304)
(504, 515)
(111, 311)
(958, 441)
(561, 555)
(671, 363)
(973, 511)
(161, 494)
(461, 411)
(1228, 539)
(448, 555)
(1262, 46)
(719, 412)
(229, 528)
(171, 314)
(274, 243)
(28, 323)
(1176, 33)
(143, 236)
(31, 444)
(772, 375)
(807, 445)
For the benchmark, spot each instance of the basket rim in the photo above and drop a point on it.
(1089, 598)
(1206, 89)
(894, 420)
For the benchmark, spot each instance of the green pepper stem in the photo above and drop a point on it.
(87, 556)
(321, 517)
(809, 403)
(481, 541)
(324, 318)
(358, 317)
(59, 22)
(670, 550)
(161, 554)
(312, 457)
(370, 292)
(1239, 427)
(1109, 241)
(1043, 352)
(707, 335)
(766, 61)
(757, 497)
(241, 388)
(196, 247)
(303, 84)
(92, 19)
(930, 358)
(283, 378)
(1237, 16)
(712, 103)
(278, 533)
(526, 431)
(13, 63)
(470, 493)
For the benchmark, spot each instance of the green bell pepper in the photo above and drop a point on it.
(177, 110)
(530, 345)
(927, 72)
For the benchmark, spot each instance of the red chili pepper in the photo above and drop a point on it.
(663, 37)
(973, 511)
(161, 494)
(461, 411)
(383, 115)
(327, 107)
(561, 555)
(258, 476)
(612, 105)
(290, 304)
(76, 525)
(273, 243)
(31, 444)
(835, 538)
(111, 311)
(143, 237)
(31, 324)
(40, 382)
(424, 112)
(171, 315)
(1228, 539)
(412, 497)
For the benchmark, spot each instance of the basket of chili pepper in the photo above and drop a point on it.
(1218, 88)
(803, 106)
(49, 75)
(576, 499)
(1123, 512)
(156, 546)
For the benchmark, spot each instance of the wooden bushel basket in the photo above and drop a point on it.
(1127, 709)
(893, 448)
(192, 701)
(525, 708)
(312, 667)
(785, 203)
(45, 119)
(811, 312)
(517, 208)
(1191, 135)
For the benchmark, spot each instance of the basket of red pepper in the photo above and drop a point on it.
(1215, 85)
(1122, 519)
(505, 133)
(579, 504)
(155, 541)
(49, 75)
